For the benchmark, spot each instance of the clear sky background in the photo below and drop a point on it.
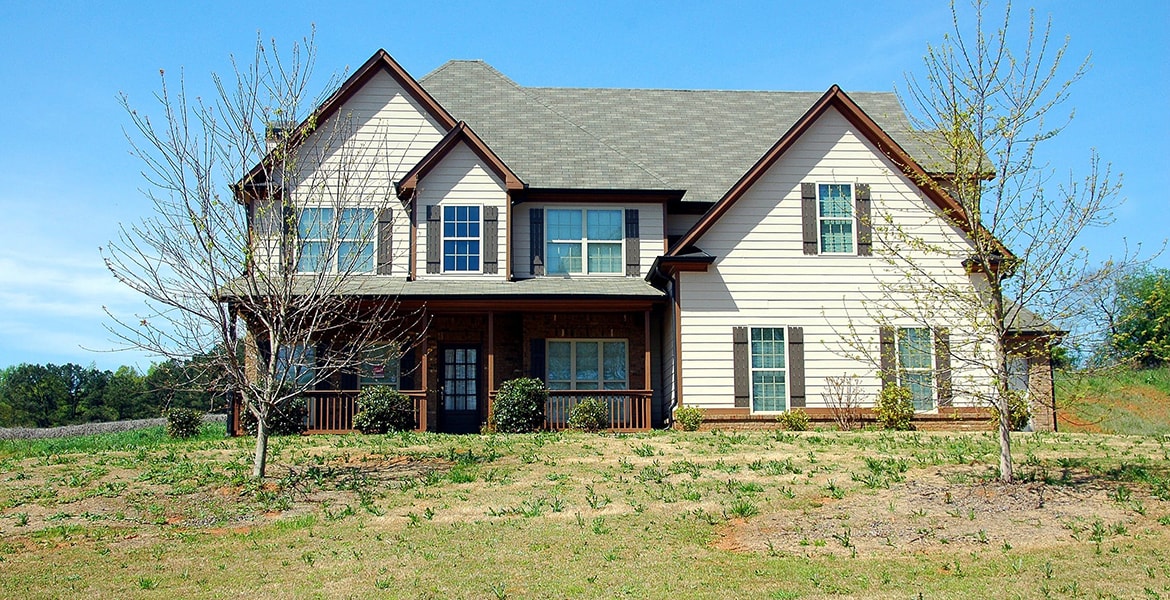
(67, 180)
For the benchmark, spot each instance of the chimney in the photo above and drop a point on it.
(276, 132)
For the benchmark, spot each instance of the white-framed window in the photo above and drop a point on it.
(584, 241)
(298, 363)
(835, 218)
(916, 365)
(769, 368)
(1017, 372)
(589, 364)
(334, 240)
(462, 237)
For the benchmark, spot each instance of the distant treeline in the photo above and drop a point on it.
(69, 394)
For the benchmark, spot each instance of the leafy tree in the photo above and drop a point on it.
(1141, 329)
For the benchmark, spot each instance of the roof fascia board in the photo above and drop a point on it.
(462, 132)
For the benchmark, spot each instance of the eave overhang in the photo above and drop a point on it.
(460, 133)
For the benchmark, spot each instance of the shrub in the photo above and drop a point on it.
(690, 418)
(382, 408)
(288, 418)
(183, 422)
(895, 408)
(1019, 411)
(590, 414)
(519, 406)
(793, 420)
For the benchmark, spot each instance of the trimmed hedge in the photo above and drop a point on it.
(382, 409)
(590, 414)
(519, 406)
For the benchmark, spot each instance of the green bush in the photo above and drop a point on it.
(590, 414)
(1019, 411)
(690, 418)
(519, 406)
(382, 409)
(183, 422)
(289, 418)
(895, 408)
(793, 420)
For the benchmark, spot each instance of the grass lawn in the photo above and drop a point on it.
(659, 515)
(1118, 401)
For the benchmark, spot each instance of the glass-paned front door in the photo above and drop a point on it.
(460, 388)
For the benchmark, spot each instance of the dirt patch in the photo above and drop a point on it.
(929, 513)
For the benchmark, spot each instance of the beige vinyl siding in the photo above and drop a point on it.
(462, 178)
(354, 157)
(763, 279)
(650, 233)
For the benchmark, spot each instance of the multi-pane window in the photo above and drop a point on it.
(915, 365)
(380, 366)
(298, 363)
(587, 365)
(583, 241)
(768, 369)
(461, 238)
(835, 217)
(333, 240)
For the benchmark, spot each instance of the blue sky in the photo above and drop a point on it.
(67, 180)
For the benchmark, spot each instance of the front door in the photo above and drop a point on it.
(460, 389)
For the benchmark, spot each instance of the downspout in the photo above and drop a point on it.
(658, 275)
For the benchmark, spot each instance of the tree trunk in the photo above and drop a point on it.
(261, 450)
(1006, 473)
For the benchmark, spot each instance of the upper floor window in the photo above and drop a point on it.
(333, 240)
(462, 231)
(915, 365)
(587, 365)
(835, 217)
(769, 366)
(584, 241)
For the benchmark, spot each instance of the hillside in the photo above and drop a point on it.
(1119, 401)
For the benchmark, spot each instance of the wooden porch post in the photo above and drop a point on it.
(491, 360)
(646, 323)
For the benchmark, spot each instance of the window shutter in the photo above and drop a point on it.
(537, 367)
(288, 236)
(434, 238)
(536, 233)
(889, 357)
(491, 233)
(796, 395)
(942, 363)
(864, 222)
(406, 367)
(741, 358)
(633, 248)
(385, 238)
(808, 212)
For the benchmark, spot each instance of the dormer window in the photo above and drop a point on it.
(462, 232)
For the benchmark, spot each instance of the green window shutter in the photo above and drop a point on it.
(796, 394)
(385, 239)
(491, 239)
(808, 216)
(889, 359)
(536, 242)
(742, 366)
(633, 248)
(434, 238)
(942, 363)
(862, 212)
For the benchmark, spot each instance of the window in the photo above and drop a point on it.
(297, 363)
(768, 369)
(380, 366)
(334, 240)
(835, 217)
(587, 365)
(915, 368)
(1017, 372)
(583, 241)
(461, 239)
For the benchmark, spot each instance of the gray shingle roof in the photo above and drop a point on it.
(700, 141)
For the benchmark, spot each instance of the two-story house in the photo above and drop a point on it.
(656, 248)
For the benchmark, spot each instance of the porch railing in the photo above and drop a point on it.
(332, 411)
(629, 410)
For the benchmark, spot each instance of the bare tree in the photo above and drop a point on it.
(284, 252)
(986, 106)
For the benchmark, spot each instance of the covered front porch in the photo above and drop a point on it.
(581, 348)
